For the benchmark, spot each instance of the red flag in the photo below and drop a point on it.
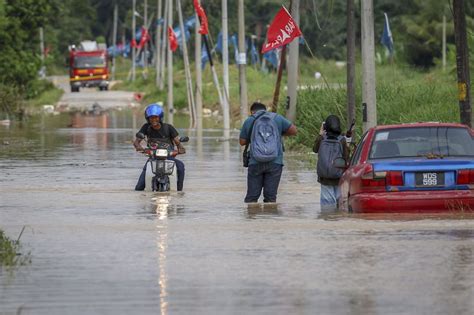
(172, 38)
(202, 18)
(144, 38)
(282, 31)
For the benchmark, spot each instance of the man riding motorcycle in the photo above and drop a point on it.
(155, 130)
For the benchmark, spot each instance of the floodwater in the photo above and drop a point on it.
(98, 247)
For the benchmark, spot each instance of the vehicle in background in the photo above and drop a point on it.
(419, 167)
(88, 66)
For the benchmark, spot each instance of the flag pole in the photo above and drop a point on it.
(189, 83)
(224, 105)
(213, 70)
(276, 93)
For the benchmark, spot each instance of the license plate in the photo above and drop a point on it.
(429, 179)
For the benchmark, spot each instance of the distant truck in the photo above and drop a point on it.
(88, 66)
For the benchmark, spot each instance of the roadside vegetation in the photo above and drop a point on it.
(404, 94)
(10, 252)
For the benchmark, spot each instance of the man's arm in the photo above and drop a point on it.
(179, 145)
(317, 143)
(137, 145)
(291, 131)
(244, 132)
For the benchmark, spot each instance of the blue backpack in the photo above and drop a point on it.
(265, 140)
(329, 150)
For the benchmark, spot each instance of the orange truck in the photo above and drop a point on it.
(88, 66)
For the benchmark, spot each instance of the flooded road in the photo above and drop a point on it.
(98, 247)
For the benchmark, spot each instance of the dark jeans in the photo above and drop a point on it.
(266, 176)
(179, 169)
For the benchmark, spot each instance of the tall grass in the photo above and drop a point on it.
(403, 95)
(10, 252)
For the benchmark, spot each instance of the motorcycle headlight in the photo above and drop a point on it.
(161, 153)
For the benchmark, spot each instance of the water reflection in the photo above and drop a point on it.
(162, 205)
(81, 120)
(255, 210)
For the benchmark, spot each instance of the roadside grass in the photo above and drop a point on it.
(403, 95)
(10, 252)
(48, 97)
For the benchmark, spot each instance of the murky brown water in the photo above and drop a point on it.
(98, 247)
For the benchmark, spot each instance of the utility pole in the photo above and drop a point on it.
(369, 106)
(293, 55)
(225, 64)
(242, 63)
(134, 49)
(164, 46)
(158, 43)
(198, 69)
(444, 43)
(170, 67)
(351, 112)
(462, 62)
(145, 45)
(43, 68)
(114, 40)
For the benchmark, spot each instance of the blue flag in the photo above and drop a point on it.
(177, 32)
(272, 57)
(190, 22)
(218, 47)
(387, 39)
(254, 58)
(204, 56)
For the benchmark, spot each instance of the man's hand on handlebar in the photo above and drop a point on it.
(174, 153)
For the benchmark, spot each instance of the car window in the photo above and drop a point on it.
(422, 141)
(356, 156)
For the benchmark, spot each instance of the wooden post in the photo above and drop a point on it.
(276, 93)
(198, 69)
(170, 67)
(293, 56)
(368, 65)
(114, 40)
(134, 49)
(158, 43)
(462, 62)
(351, 112)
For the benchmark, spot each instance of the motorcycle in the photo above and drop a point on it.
(160, 166)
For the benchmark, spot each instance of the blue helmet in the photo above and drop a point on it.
(154, 110)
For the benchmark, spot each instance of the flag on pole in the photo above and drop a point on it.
(204, 56)
(172, 38)
(218, 47)
(387, 39)
(144, 37)
(202, 17)
(282, 31)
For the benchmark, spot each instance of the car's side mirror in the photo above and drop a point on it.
(184, 139)
(339, 163)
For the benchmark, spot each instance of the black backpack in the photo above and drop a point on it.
(329, 150)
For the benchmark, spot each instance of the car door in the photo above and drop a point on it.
(351, 172)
